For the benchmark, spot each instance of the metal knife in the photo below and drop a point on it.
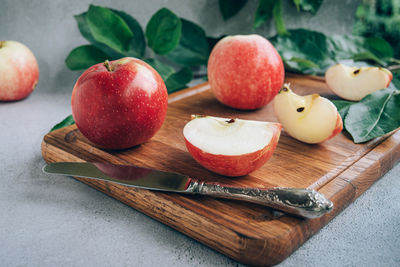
(306, 203)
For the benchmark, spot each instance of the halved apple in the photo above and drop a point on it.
(231, 147)
(311, 119)
(353, 83)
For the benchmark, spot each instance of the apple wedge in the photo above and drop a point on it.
(354, 83)
(311, 119)
(230, 147)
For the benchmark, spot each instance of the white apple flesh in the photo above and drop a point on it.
(311, 119)
(230, 147)
(353, 83)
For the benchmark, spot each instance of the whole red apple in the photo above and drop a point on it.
(245, 71)
(19, 71)
(119, 104)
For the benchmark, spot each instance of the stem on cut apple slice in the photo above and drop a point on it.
(108, 66)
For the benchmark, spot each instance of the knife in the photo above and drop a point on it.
(306, 203)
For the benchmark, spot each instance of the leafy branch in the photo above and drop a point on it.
(375, 115)
(266, 10)
(178, 44)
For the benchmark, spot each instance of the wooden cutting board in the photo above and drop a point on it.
(248, 233)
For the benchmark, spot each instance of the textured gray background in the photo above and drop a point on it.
(57, 221)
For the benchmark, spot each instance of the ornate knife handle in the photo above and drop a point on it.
(306, 203)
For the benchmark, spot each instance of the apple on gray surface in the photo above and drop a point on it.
(19, 71)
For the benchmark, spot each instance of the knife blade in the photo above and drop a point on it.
(302, 202)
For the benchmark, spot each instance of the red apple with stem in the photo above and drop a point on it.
(231, 147)
(245, 71)
(19, 71)
(119, 104)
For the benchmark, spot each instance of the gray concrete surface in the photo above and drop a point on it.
(57, 221)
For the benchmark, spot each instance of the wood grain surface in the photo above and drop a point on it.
(248, 233)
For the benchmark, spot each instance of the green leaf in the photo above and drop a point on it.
(345, 46)
(263, 12)
(301, 63)
(396, 79)
(69, 120)
(343, 107)
(108, 28)
(212, 41)
(308, 5)
(361, 11)
(375, 115)
(137, 46)
(179, 80)
(379, 47)
(359, 48)
(83, 26)
(163, 69)
(310, 47)
(230, 8)
(312, 52)
(278, 17)
(84, 57)
(297, 4)
(173, 80)
(193, 46)
(163, 31)
(368, 56)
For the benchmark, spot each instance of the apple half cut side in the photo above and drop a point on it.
(230, 147)
(311, 119)
(353, 83)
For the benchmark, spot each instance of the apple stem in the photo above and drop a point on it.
(107, 65)
(285, 88)
(394, 67)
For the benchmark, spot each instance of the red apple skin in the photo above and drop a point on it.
(390, 79)
(338, 128)
(237, 165)
(245, 71)
(19, 71)
(121, 108)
